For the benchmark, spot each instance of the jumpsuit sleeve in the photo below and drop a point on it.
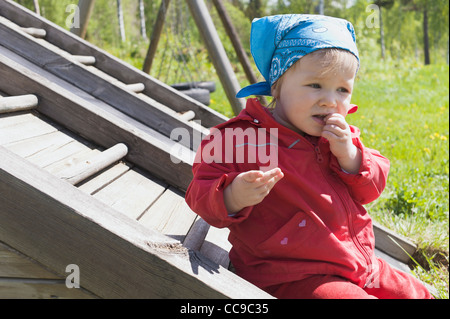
(368, 184)
(205, 192)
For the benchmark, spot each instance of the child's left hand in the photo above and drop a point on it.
(338, 134)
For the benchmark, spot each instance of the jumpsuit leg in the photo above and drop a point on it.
(390, 284)
(396, 284)
(319, 287)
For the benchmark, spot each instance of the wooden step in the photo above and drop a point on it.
(88, 168)
(84, 59)
(136, 87)
(188, 115)
(18, 103)
(35, 32)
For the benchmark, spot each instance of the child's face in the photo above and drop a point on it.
(307, 95)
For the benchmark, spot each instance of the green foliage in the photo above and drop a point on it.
(404, 108)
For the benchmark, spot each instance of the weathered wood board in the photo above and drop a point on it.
(117, 256)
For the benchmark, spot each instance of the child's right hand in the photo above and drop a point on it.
(250, 188)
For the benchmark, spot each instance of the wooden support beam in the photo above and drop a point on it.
(156, 34)
(222, 64)
(238, 48)
(18, 103)
(234, 37)
(57, 225)
(111, 65)
(197, 234)
(86, 169)
(36, 7)
(82, 15)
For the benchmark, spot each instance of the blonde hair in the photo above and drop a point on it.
(330, 61)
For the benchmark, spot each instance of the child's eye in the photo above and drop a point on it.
(314, 85)
(343, 90)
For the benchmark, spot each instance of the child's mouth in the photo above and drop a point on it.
(320, 118)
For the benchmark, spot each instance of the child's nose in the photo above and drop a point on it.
(329, 99)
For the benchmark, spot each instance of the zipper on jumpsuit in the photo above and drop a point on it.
(355, 240)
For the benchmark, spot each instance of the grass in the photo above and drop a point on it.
(403, 113)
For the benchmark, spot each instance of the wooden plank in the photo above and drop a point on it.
(124, 100)
(117, 257)
(28, 147)
(16, 265)
(109, 64)
(393, 244)
(13, 288)
(93, 165)
(170, 215)
(103, 126)
(69, 163)
(135, 87)
(132, 193)
(50, 157)
(103, 179)
(18, 127)
(18, 103)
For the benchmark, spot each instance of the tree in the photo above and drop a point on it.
(120, 18)
(142, 19)
(255, 9)
(387, 4)
(421, 6)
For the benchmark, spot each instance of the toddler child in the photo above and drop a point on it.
(290, 180)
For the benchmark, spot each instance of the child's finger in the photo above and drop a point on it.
(271, 179)
(268, 175)
(252, 176)
(336, 120)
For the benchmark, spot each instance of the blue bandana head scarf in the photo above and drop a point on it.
(277, 42)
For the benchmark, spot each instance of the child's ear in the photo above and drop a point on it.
(275, 90)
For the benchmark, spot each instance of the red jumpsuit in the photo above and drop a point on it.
(311, 225)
